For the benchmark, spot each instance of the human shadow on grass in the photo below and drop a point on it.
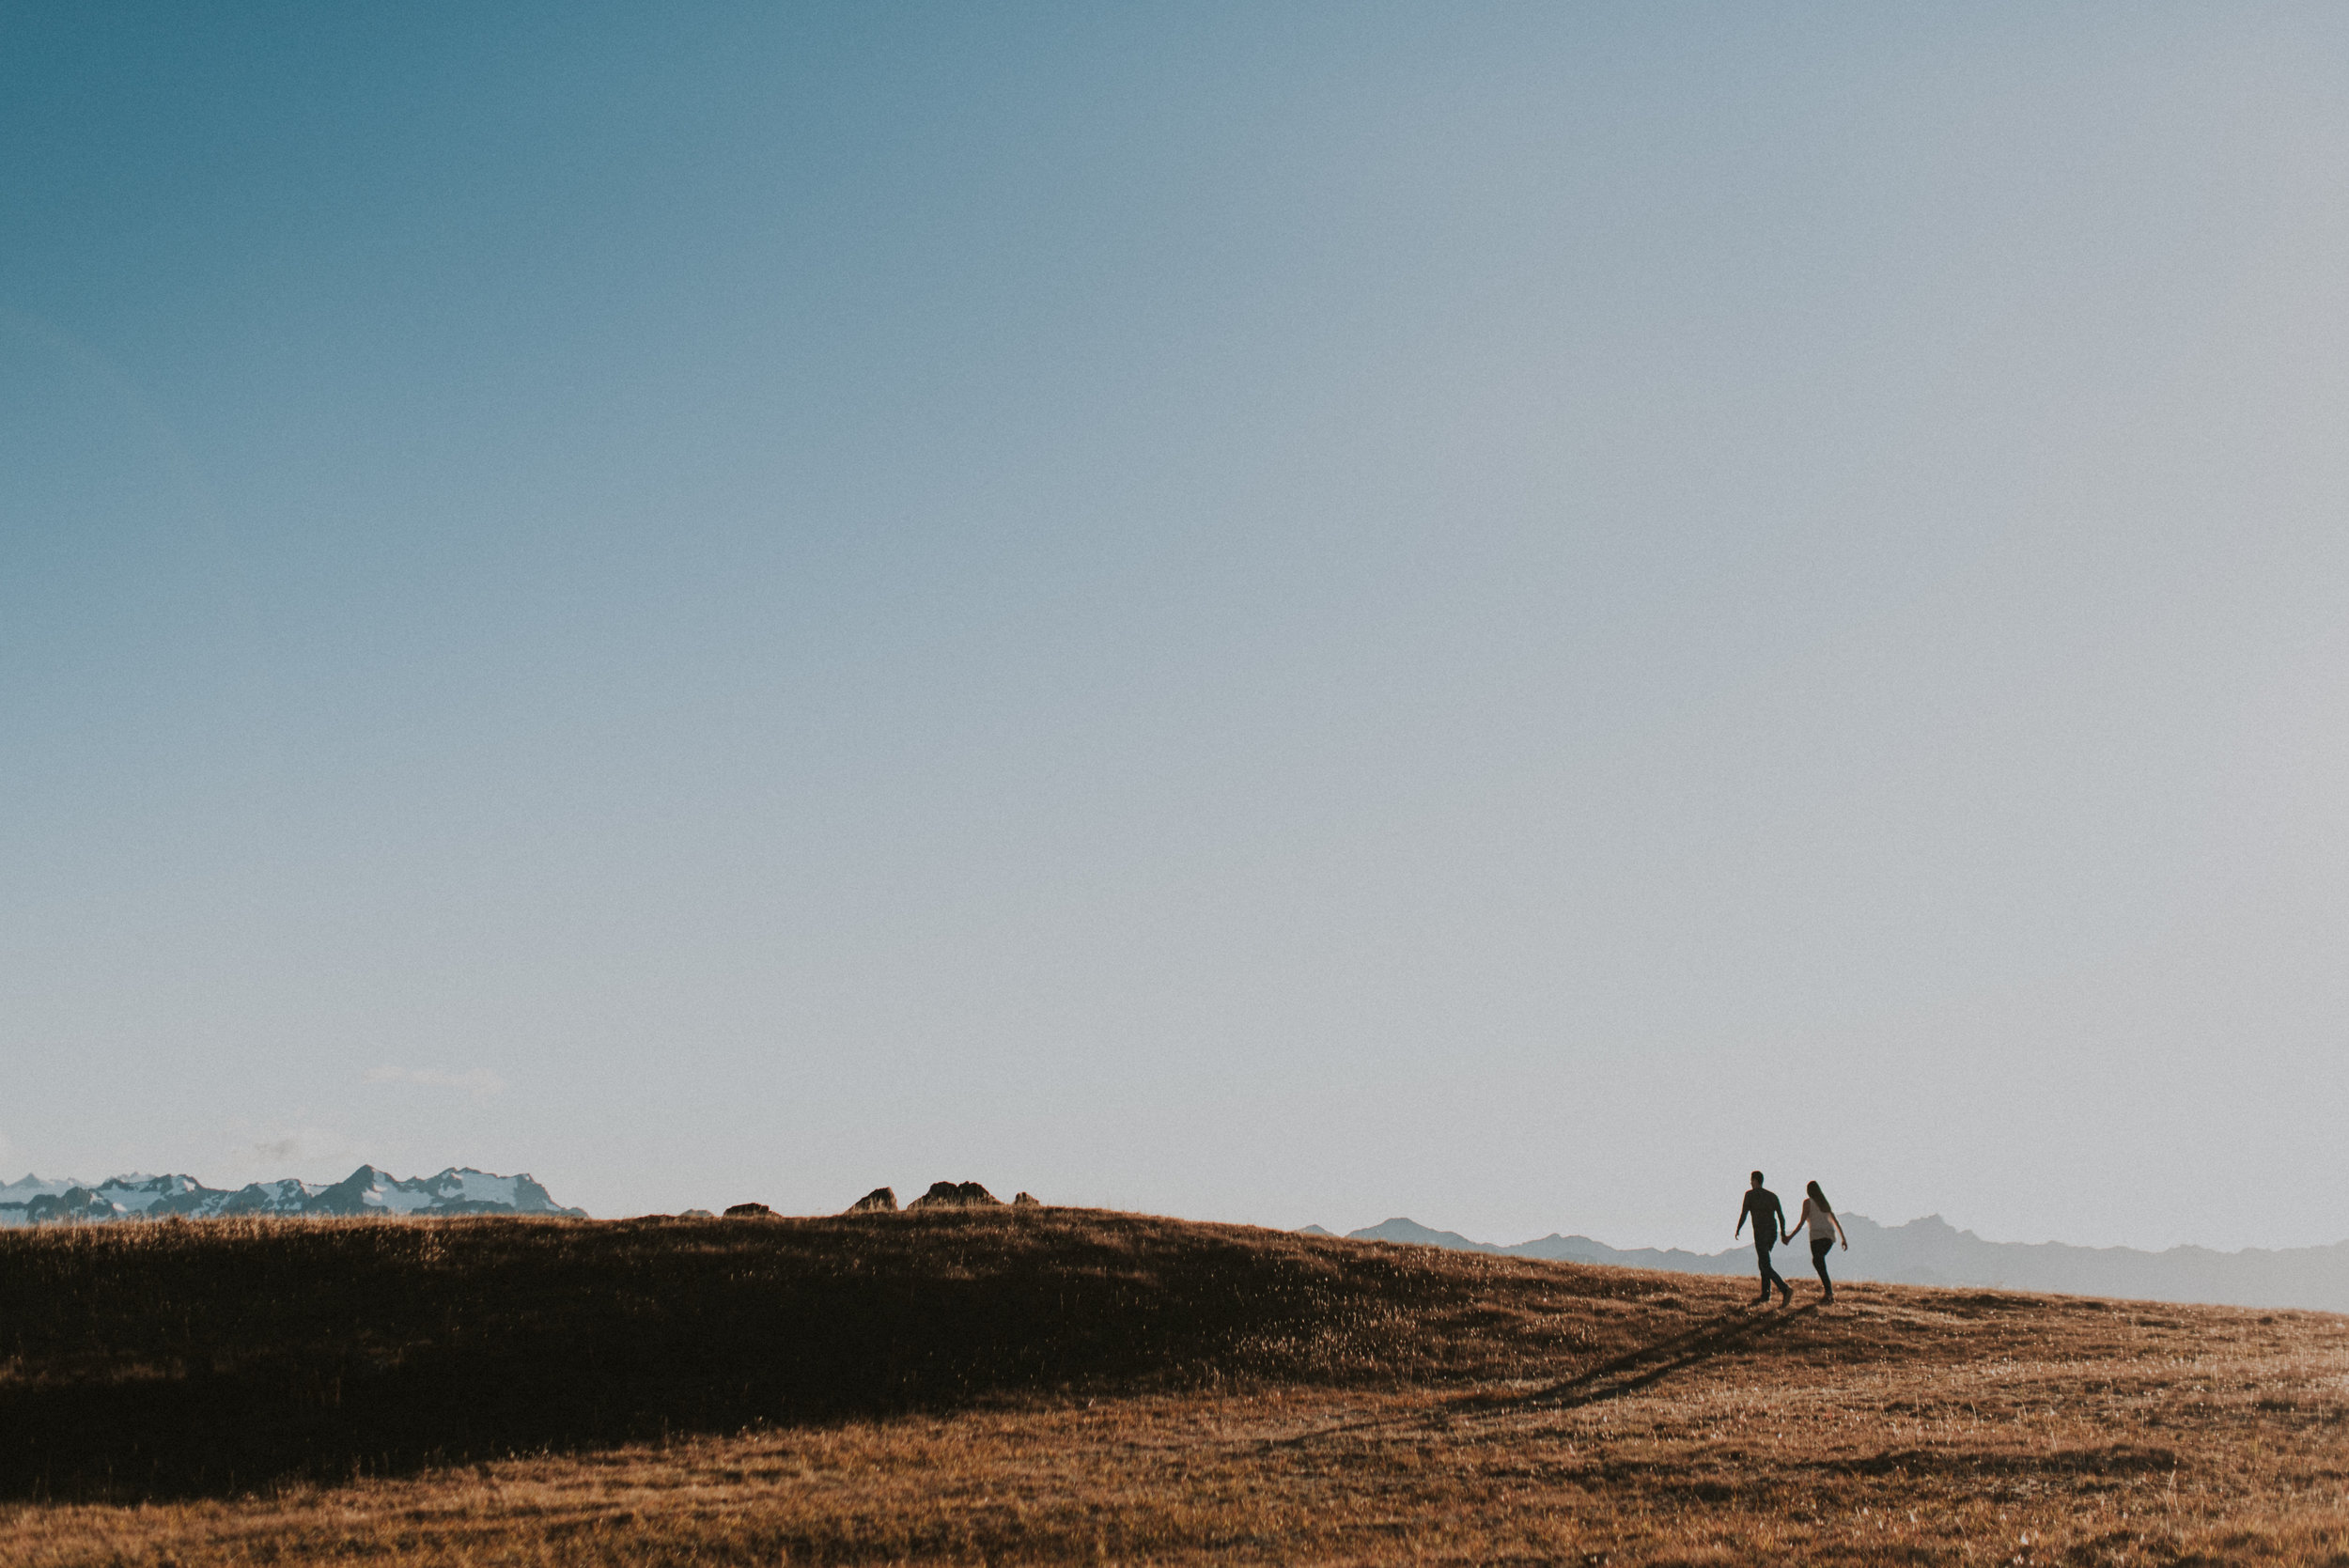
(1635, 1369)
(1612, 1378)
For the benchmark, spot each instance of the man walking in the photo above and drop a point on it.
(1769, 1224)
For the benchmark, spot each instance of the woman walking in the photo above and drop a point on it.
(1826, 1230)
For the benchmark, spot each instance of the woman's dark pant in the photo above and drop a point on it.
(1820, 1247)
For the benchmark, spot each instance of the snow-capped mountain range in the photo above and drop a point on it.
(365, 1192)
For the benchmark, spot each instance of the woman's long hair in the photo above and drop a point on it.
(1818, 1197)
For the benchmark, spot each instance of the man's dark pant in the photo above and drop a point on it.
(1762, 1245)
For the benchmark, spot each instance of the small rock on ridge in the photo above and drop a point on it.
(742, 1211)
(1026, 1201)
(881, 1199)
(953, 1195)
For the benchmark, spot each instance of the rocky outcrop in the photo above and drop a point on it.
(881, 1199)
(748, 1211)
(956, 1195)
(1026, 1201)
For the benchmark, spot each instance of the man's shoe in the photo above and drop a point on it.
(1785, 1295)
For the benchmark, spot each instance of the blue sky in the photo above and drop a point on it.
(1288, 613)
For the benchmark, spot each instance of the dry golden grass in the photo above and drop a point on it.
(1567, 1415)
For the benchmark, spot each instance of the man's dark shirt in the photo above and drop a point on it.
(1761, 1208)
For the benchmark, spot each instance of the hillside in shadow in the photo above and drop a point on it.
(209, 1357)
(212, 1357)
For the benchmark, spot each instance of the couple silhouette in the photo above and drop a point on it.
(1770, 1229)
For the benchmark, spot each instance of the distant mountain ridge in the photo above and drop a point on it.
(1932, 1251)
(365, 1192)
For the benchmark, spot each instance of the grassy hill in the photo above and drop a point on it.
(1073, 1384)
(156, 1360)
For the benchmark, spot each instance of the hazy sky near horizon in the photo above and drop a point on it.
(1284, 613)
